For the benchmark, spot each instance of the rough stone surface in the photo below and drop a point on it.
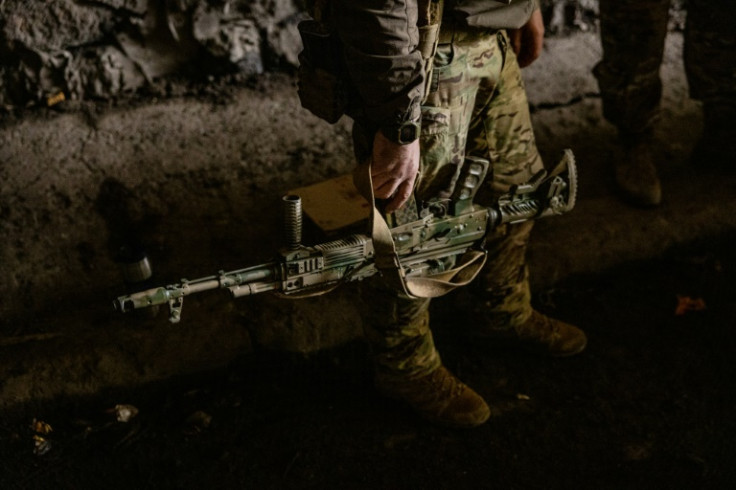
(115, 47)
(54, 24)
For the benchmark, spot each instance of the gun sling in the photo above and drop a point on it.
(388, 262)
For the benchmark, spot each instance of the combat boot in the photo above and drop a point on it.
(636, 175)
(549, 336)
(439, 397)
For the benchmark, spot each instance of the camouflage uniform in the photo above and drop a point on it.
(475, 104)
(479, 107)
(633, 34)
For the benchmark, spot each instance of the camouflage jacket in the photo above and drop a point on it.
(380, 38)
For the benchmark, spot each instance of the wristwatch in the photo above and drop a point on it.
(403, 134)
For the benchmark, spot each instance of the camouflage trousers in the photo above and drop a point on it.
(633, 34)
(477, 106)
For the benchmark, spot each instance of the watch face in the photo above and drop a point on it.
(408, 132)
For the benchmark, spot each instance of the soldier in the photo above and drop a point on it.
(416, 130)
(633, 34)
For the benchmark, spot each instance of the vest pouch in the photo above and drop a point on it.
(321, 86)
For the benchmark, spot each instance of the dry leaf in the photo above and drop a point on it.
(686, 304)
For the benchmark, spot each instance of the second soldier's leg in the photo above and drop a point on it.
(710, 63)
(632, 36)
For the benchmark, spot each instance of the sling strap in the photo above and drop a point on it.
(387, 259)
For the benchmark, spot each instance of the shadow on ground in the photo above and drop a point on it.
(648, 405)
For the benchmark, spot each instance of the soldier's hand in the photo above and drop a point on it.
(528, 41)
(394, 169)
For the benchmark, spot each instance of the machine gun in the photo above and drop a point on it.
(445, 230)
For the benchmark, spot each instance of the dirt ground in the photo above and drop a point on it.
(648, 405)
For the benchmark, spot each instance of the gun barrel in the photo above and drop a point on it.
(147, 298)
(243, 279)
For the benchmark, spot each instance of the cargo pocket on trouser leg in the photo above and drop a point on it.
(443, 150)
(435, 151)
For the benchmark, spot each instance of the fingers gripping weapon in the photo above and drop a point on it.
(427, 247)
